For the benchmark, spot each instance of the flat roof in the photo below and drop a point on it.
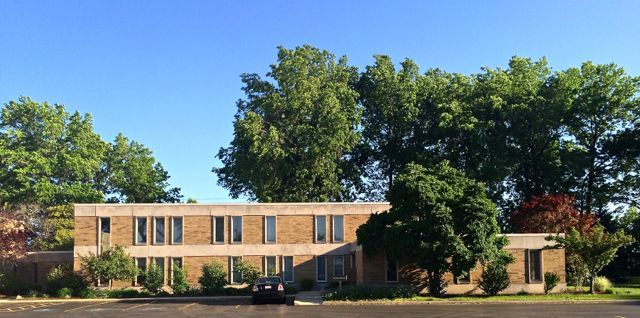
(229, 203)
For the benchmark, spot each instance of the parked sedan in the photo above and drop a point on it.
(268, 288)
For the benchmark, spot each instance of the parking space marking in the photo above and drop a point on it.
(242, 303)
(140, 305)
(28, 307)
(90, 305)
(187, 306)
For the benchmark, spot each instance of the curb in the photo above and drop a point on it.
(496, 302)
(82, 300)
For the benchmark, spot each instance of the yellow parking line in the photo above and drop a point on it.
(138, 306)
(76, 308)
(187, 306)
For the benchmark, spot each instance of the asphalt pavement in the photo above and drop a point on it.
(243, 308)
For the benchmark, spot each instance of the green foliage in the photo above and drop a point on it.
(593, 250)
(440, 220)
(57, 229)
(63, 276)
(601, 284)
(306, 284)
(88, 293)
(248, 272)
(213, 278)
(65, 292)
(111, 264)
(354, 293)
(11, 284)
(293, 132)
(153, 279)
(551, 280)
(180, 285)
(125, 293)
(495, 277)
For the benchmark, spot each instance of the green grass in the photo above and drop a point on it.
(619, 293)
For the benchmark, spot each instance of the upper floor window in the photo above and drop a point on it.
(158, 232)
(141, 230)
(534, 266)
(321, 229)
(218, 229)
(338, 228)
(236, 229)
(105, 233)
(270, 229)
(176, 230)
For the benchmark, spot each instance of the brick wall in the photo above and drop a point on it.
(197, 230)
(86, 230)
(294, 229)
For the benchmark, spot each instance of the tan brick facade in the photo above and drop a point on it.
(295, 236)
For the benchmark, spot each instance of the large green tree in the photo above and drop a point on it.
(440, 220)
(293, 132)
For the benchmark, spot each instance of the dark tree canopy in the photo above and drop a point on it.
(440, 220)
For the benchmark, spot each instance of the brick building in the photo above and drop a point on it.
(293, 240)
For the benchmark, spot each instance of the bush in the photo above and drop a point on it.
(123, 293)
(551, 280)
(11, 285)
(65, 292)
(179, 285)
(601, 284)
(88, 293)
(213, 278)
(112, 264)
(153, 279)
(32, 293)
(248, 272)
(62, 276)
(353, 293)
(495, 278)
(306, 284)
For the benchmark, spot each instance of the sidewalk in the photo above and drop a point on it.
(308, 298)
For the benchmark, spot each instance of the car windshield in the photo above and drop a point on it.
(268, 280)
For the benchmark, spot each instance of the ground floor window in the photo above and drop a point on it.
(287, 269)
(338, 266)
(270, 266)
(236, 275)
(392, 271)
(175, 262)
(141, 264)
(321, 268)
(534, 266)
(159, 262)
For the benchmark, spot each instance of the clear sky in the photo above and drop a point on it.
(166, 73)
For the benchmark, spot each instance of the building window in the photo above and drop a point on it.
(176, 230)
(175, 262)
(270, 229)
(338, 228)
(236, 229)
(236, 275)
(159, 262)
(535, 266)
(141, 264)
(141, 230)
(463, 279)
(321, 268)
(105, 233)
(218, 229)
(158, 232)
(391, 275)
(270, 266)
(338, 266)
(287, 269)
(321, 229)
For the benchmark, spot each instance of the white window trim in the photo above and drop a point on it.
(275, 228)
(386, 265)
(241, 229)
(293, 277)
(333, 229)
(172, 242)
(315, 234)
(171, 259)
(135, 231)
(214, 233)
(231, 282)
(266, 272)
(325, 269)
(100, 232)
(155, 219)
(333, 266)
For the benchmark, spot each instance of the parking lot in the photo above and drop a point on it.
(241, 307)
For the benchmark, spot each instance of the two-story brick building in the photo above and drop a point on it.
(293, 240)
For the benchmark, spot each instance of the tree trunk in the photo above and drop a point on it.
(593, 279)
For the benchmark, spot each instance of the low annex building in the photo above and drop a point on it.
(296, 241)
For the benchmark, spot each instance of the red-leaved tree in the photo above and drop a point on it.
(551, 213)
(13, 238)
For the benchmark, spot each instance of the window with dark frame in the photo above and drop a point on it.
(270, 229)
(236, 229)
(158, 224)
(141, 264)
(236, 275)
(321, 229)
(321, 268)
(105, 233)
(338, 266)
(176, 229)
(141, 230)
(270, 266)
(218, 229)
(535, 266)
(159, 262)
(175, 261)
(338, 228)
(287, 269)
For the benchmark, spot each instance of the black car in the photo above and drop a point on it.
(268, 288)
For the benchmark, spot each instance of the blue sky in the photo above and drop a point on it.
(166, 73)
